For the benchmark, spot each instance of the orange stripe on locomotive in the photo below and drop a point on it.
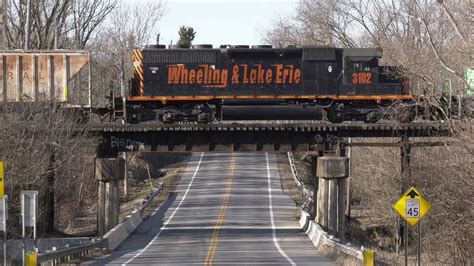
(137, 58)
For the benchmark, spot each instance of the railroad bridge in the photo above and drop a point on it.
(250, 138)
(321, 138)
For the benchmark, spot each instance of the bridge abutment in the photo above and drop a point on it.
(332, 172)
(108, 172)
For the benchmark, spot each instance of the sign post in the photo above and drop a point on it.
(29, 203)
(3, 225)
(412, 207)
(2, 180)
(3, 212)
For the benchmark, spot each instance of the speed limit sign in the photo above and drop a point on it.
(412, 206)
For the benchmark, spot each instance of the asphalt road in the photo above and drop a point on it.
(227, 209)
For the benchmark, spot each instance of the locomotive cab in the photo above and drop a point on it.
(366, 90)
(360, 71)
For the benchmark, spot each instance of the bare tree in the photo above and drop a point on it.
(86, 17)
(128, 27)
(317, 22)
(426, 38)
(40, 147)
(77, 20)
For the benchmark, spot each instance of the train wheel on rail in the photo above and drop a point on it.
(204, 113)
(168, 117)
(205, 118)
(373, 116)
(334, 115)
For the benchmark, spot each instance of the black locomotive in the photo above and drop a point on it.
(204, 84)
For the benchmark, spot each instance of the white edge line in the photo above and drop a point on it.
(172, 214)
(275, 239)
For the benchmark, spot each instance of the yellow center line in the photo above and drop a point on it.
(215, 235)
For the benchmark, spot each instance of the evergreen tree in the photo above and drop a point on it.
(186, 36)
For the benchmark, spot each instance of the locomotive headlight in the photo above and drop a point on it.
(329, 69)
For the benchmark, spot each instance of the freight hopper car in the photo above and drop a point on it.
(203, 84)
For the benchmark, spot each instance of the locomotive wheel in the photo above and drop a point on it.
(203, 114)
(373, 116)
(168, 117)
(335, 116)
(204, 118)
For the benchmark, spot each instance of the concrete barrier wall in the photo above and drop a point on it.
(319, 237)
(304, 220)
(316, 234)
(118, 234)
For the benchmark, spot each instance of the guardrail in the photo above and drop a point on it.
(63, 255)
(110, 241)
(306, 193)
(150, 199)
(294, 171)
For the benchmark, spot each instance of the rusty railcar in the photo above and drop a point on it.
(43, 76)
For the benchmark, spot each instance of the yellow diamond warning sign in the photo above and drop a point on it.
(411, 206)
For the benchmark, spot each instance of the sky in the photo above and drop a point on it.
(222, 21)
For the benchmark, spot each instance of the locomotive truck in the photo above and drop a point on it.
(203, 84)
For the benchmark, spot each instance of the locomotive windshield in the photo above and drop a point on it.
(360, 66)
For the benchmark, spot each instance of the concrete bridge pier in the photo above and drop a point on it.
(332, 173)
(109, 172)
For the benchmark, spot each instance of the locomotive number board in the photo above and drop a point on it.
(362, 78)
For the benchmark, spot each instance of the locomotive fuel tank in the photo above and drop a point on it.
(271, 112)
